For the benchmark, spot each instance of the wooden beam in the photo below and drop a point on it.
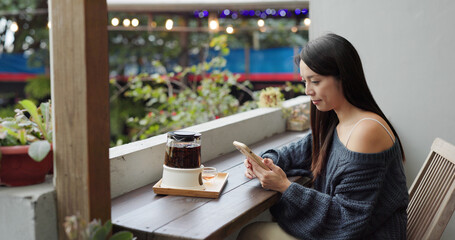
(80, 95)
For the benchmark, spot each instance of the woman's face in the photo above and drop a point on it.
(325, 91)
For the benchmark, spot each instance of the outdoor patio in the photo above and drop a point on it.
(407, 51)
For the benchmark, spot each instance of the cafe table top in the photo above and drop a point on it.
(151, 216)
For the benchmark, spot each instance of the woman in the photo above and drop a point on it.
(353, 154)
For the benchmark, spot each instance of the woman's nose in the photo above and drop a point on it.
(308, 91)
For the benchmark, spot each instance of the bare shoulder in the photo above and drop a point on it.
(371, 137)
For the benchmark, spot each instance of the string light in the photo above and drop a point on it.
(14, 27)
(115, 22)
(213, 22)
(251, 13)
(213, 25)
(135, 22)
(230, 30)
(126, 22)
(169, 24)
(49, 24)
(261, 23)
(307, 22)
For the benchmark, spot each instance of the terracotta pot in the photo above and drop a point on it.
(18, 169)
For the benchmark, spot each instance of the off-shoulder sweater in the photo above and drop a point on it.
(357, 195)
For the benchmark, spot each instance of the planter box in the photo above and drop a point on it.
(18, 169)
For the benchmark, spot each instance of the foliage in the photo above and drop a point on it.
(159, 52)
(6, 111)
(32, 36)
(76, 228)
(190, 96)
(38, 88)
(35, 130)
(274, 97)
(270, 97)
(172, 103)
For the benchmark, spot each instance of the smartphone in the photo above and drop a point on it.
(245, 150)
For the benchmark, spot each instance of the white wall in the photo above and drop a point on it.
(408, 51)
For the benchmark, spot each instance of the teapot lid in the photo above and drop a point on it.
(184, 136)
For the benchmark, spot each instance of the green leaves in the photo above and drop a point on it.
(185, 97)
(36, 118)
(76, 228)
(35, 130)
(123, 235)
(39, 150)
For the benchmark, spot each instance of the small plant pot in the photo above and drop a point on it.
(297, 125)
(18, 169)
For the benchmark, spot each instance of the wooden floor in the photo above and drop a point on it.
(151, 216)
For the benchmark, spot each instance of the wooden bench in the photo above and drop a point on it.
(151, 216)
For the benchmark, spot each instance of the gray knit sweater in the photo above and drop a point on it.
(357, 196)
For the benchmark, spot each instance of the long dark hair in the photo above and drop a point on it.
(333, 55)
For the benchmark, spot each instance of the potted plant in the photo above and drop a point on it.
(299, 118)
(76, 228)
(25, 145)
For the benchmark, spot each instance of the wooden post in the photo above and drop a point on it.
(80, 97)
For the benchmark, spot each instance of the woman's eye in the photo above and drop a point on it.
(315, 82)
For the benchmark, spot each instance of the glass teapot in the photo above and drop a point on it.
(183, 149)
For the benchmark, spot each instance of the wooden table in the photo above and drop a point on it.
(151, 216)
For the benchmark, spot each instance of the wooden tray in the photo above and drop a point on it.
(212, 190)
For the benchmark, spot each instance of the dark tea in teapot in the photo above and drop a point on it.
(183, 150)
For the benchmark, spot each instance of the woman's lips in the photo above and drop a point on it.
(316, 102)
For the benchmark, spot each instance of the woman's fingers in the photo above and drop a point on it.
(257, 170)
(273, 179)
(249, 169)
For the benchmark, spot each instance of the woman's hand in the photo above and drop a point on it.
(273, 179)
(249, 169)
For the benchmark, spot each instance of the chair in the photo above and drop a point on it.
(432, 195)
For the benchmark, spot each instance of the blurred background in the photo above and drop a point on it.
(217, 55)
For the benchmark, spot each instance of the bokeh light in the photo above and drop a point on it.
(261, 23)
(14, 27)
(169, 24)
(115, 22)
(135, 22)
(230, 30)
(307, 22)
(126, 22)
